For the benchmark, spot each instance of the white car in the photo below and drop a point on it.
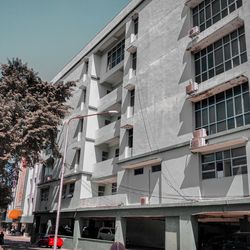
(106, 233)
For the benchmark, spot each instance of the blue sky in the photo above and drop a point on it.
(48, 33)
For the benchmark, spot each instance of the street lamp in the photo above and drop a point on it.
(66, 123)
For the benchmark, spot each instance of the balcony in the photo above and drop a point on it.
(104, 201)
(114, 75)
(111, 101)
(105, 168)
(108, 134)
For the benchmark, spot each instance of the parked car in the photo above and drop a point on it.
(48, 241)
(90, 232)
(106, 233)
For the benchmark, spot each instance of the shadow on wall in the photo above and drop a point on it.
(186, 118)
(186, 13)
(187, 59)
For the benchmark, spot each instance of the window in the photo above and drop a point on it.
(136, 19)
(84, 92)
(132, 98)
(105, 156)
(134, 60)
(64, 191)
(107, 122)
(101, 190)
(224, 163)
(223, 55)
(211, 11)
(71, 190)
(86, 67)
(77, 158)
(226, 110)
(117, 152)
(114, 188)
(130, 138)
(116, 55)
(80, 125)
(138, 171)
(156, 168)
(44, 194)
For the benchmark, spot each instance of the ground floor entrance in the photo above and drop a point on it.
(224, 230)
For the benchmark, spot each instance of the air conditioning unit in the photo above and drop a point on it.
(48, 178)
(197, 142)
(199, 133)
(144, 200)
(192, 87)
(195, 31)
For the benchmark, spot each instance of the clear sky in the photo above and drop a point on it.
(48, 33)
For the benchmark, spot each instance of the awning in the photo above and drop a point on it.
(143, 163)
(105, 180)
(15, 214)
(221, 146)
(219, 88)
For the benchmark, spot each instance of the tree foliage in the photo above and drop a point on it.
(30, 112)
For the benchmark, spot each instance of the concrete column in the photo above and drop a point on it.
(120, 230)
(172, 233)
(77, 233)
(188, 232)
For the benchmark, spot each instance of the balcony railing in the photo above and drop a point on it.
(108, 133)
(111, 101)
(105, 168)
(104, 201)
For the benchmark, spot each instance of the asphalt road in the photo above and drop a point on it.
(19, 242)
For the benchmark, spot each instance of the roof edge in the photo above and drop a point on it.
(99, 36)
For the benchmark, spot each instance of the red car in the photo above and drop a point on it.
(48, 241)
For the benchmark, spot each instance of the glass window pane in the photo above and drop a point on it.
(240, 161)
(227, 154)
(219, 166)
(197, 67)
(243, 57)
(207, 158)
(230, 108)
(239, 121)
(210, 60)
(208, 166)
(204, 117)
(212, 114)
(242, 44)
(238, 152)
(230, 123)
(208, 175)
(227, 51)
(227, 168)
(238, 105)
(198, 119)
(221, 126)
(246, 100)
(234, 45)
(220, 111)
(247, 119)
(215, 7)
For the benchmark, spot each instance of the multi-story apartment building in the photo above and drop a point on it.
(24, 193)
(171, 170)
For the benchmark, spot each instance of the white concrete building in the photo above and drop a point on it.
(171, 170)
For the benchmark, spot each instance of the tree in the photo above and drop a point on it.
(30, 112)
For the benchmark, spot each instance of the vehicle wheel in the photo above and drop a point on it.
(58, 247)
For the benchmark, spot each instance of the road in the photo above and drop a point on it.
(19, 242)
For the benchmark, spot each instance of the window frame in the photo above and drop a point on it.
(208, 63)
(222, 159)
(205, 16)
(236, 113)
(113, 56)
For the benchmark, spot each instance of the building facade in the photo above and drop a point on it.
(171, 169)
